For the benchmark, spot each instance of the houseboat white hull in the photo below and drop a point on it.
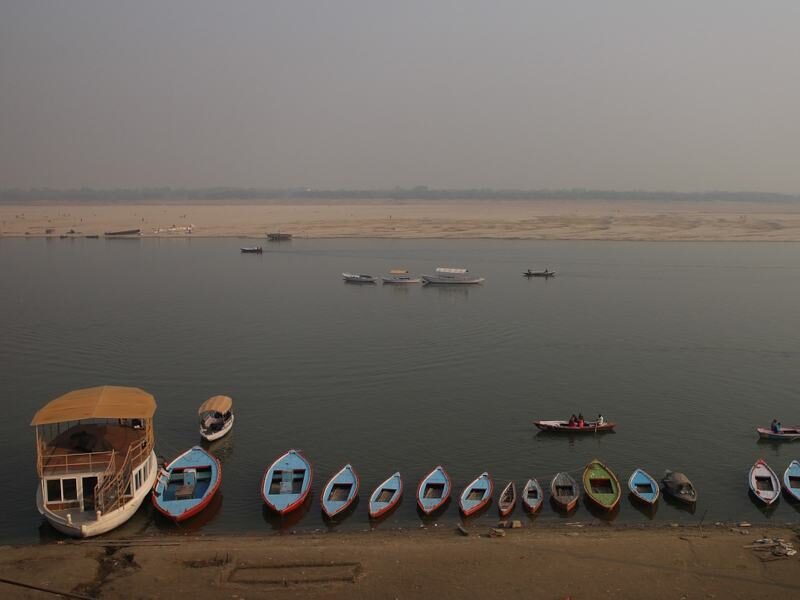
(435, 279)
(87, 524)
(215, 435)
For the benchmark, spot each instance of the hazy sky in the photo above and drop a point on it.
(627, 94)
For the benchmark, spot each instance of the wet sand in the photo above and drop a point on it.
(501, 219)
(534, 562)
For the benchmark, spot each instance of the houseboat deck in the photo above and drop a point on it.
(89, 448)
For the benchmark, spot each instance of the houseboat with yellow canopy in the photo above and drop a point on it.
(94, 458)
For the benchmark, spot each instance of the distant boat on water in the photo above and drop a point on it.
(358, 278)
(452, 276)
(545, 273)
(400, 276)
(123, 232)
(786, 434)
(252, 250)
(279, 237)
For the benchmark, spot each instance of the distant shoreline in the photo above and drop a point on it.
(576, 219)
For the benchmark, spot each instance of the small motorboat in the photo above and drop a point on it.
(279, 237)
(433, 490)
(358, 278)
(454, 276)
(216, 417)
(508, 499)
(786, 434)
(340, 491)
(400, 276)
(564, 491)
(252, 250)
(476, 495)
(643, 487)
(764, 483)
(678, 486)
(122, 232)
(287, 482)
(532, 496)
(386, 496)
(791, 480)
(186, 485)
(545, 273)
(601, 485)
(565, 427)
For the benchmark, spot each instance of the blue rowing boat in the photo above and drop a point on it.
(287, 482)
(532, 495)
(476, 495)
(644, 487)
(433, 490)
(187, 484)
(791, 480)
(386, 496)
(340, 491)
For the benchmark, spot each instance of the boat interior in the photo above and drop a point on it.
(433, 490)
(644, 488)
(601, 486)
(794, 482)
(533, 494)
(215, 421)
(764, 484)
(340, 492)
(476, 494)
(188, 483)
(287, 481)
(386, 494)
(565, 490)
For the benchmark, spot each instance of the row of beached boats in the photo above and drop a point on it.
(442, 276)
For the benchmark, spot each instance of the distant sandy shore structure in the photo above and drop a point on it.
(445, 219)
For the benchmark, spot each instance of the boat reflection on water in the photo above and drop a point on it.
(597, 512)
(682, 506)
(285, 523)
(192, 525)
(648, 510)
(333, 522)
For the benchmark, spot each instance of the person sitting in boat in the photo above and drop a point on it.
(600, 419)
(775, 426)
(581, 422)
(573, 420)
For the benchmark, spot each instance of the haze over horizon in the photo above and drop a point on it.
(621, 95)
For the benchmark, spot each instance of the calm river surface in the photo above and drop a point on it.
(687, 346)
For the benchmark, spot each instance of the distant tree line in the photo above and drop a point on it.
(414, 193)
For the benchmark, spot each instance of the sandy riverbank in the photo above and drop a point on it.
(533, 562)
(534, 219)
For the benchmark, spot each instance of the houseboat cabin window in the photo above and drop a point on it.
(69, 489)
(54, 490)
(59, 490)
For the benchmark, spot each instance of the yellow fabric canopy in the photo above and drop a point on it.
(104, 402)
(220, 404)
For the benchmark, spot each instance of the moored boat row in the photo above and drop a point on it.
(443, 276)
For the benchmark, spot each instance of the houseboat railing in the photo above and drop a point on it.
(111, 492)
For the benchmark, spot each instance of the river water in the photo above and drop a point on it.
(687, 346)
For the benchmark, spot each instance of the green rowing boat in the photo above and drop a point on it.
(601, 485)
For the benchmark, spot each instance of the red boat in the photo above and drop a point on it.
(565, 427)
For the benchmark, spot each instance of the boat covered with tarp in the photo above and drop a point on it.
(216, 417)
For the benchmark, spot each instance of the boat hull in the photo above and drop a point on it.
(564, 427)
(484, 486)
(178, 510)
(532, 502)
(378, 508)
(787, 434)
(345, 476)
(108, 521)
(601, 485)
(211, 437)
(764, 483)
(438, 477)
(678, 487)
(508, 499)
(293, 461)
(638, 484)
(791, 480)
(564, 491)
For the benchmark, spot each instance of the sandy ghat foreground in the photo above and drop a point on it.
(561, 562)
(546, 220)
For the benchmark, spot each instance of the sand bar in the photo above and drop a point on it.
(597, 561)
(466, 219)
